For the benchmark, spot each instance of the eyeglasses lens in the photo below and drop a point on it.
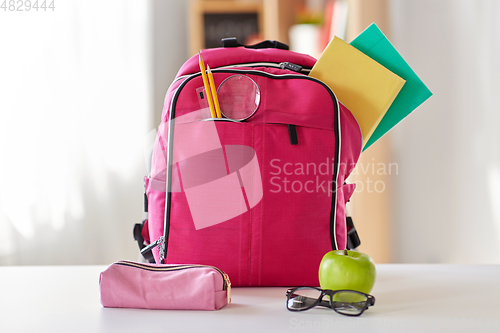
(348, 302)
(303, 298)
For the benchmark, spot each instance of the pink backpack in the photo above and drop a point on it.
(262, 199)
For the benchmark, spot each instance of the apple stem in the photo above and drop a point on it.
(345, 251)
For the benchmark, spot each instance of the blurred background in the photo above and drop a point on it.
(82, 85)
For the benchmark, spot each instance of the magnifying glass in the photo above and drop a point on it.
(239, 97)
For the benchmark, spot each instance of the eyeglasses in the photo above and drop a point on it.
(346, 302)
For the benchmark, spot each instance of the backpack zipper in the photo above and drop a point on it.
(281, 65)
(226, 282)
(163, 241)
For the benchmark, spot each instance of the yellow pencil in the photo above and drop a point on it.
(207, 86)
(214, 92)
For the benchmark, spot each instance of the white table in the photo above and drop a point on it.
(409, 298)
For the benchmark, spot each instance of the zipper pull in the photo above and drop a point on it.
(161, 248)
(228, 287)
(290, 66)
(150, 246)
(292, 133)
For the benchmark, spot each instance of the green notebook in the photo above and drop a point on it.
(374, 44)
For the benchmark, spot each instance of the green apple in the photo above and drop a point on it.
(342, 269)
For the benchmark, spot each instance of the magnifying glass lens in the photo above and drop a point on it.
(239, 97)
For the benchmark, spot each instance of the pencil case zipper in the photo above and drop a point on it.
(226, 282)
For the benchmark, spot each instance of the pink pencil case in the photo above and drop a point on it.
(128, 284)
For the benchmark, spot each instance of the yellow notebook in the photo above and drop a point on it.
(364, 86)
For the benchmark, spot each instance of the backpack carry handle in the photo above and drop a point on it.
(267, 44)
